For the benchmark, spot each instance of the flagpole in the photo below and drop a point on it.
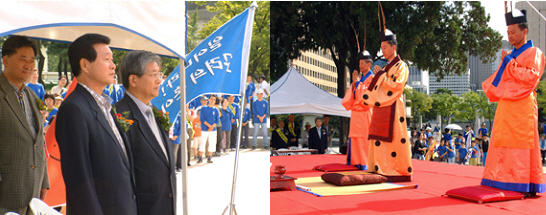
(231, 205)
(183, 142)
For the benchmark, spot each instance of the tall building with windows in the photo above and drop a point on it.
(319, 68)
(480, 71)
(418, 79)
(458, 84)
(536, 24)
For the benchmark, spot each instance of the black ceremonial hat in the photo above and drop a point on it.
(515, 17)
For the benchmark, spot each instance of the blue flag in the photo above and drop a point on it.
(218, 64)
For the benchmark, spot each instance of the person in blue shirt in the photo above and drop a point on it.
(260, 110)
(35, 86)
(210, 117)
(50, 103)
(450, 153)
(225, 119)
(245, 124)
(485, 148)
(462, 154)
(235, 110)
(447, 135)
(483, 131)
(250, 88)
(474, 154)
(442, 152)
(458, 142)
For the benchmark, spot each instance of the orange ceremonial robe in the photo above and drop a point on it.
(513, 161)
(390, 151)
(361, 116)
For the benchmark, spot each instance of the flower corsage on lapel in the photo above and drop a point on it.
(40, 103)
(163, 118)
(123, 119)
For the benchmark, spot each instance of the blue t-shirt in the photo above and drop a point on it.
(38, 89)
(450, 154)
(447, 137)
(236, 114)
(249, 90)
(52, 113)
(246, 115)
(483, 131)
(441, 150)
(259, 108)
(225, 119)
(210, 115)
(474, 152)
(462, 153)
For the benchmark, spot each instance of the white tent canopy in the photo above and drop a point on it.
(292, 93)
(158, 27)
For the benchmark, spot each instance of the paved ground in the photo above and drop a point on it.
(209, 185)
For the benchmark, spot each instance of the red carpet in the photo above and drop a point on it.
(433, 178)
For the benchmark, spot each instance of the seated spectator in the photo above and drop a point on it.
(279, 138)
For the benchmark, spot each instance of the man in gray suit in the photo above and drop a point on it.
(23, 169)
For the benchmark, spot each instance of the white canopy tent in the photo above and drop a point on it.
(159, 27)
(156, 26)
(293, 93)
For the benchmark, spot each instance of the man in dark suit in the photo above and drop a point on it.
(152, 151)
(318, 137)
(23, 169)
(96, 159)
(279, 137)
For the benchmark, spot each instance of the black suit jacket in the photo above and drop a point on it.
(318, 143)
(98, 176)
(277, 142)
(154, 174)
(297, 134)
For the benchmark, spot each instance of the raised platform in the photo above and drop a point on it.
(434, 179)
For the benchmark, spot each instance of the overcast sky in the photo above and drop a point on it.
(496, 10)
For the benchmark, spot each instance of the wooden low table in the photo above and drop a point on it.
(282, 183)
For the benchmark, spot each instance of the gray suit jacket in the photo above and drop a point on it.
(23, 168)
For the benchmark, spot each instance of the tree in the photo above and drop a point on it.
(435, 36)
(420, 102)
(259, 51)
(467, 107)
(445, 105)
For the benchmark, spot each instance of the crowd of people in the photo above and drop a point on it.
(215, 118)
(465, 148)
